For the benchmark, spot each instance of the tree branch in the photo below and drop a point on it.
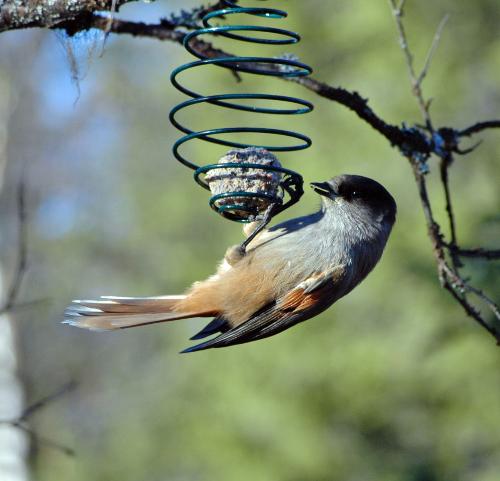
(397, 136)
(445, 143)
(408, 140)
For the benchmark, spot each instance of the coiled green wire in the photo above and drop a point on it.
(291, 182)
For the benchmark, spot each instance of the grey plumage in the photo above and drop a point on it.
(340, 238)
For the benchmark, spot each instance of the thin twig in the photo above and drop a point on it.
(478, 127)
(479, 252)
(445, 163)
(416, 81)
(461, 284)
(432, 49)
(472, 312)
(22, 242)
(37, 439)
(41, 403)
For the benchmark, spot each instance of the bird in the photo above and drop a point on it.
(288, 273)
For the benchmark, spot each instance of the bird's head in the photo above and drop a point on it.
(357, 196)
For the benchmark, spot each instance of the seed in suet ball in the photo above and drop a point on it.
(246, 179)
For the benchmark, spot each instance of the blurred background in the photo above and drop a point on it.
(392, 383)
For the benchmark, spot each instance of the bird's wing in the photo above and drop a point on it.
(300, 303)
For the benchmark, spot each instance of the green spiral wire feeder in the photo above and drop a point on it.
(291, 182)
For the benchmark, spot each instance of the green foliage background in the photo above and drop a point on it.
(393, 383)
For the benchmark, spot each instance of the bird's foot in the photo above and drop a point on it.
(258, 225)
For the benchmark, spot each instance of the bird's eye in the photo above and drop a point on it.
(350, 193)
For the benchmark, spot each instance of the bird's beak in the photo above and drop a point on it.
(323, 188)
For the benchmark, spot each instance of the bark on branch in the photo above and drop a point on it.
(16, 14)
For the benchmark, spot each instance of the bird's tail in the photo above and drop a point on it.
(111, 313)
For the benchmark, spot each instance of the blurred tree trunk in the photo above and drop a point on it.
(13, 442)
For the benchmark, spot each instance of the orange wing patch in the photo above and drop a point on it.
(311, 291)
(299, 300)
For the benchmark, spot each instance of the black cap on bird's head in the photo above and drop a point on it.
(358, 193)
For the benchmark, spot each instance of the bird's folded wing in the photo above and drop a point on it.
(306, 299)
